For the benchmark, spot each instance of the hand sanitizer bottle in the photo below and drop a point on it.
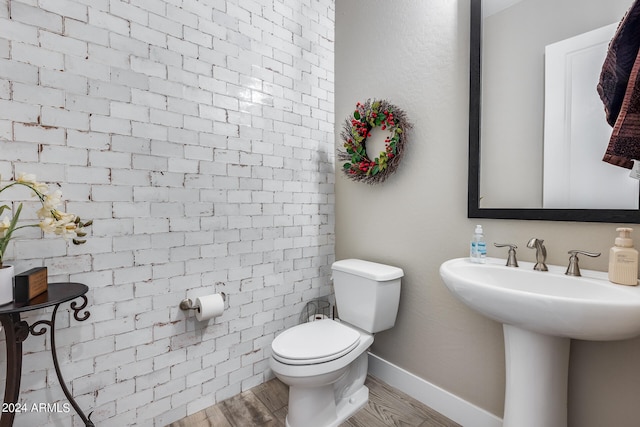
(478, 251)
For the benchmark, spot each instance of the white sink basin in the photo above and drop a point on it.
(588, 307)
(540, 312)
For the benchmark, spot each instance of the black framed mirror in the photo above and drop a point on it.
(475, 210)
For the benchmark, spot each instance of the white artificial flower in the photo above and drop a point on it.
(44, 213)
(30, 180)
(40, 187)
(26, 178)
(53, 200)
(53, 221)
(50, 203)
(4, 225)
(48, 225)
(67, 230)
(63, 217)
(65, 225)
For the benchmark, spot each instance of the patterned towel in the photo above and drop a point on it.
(619, 90)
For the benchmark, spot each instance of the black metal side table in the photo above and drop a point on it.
(17, 330)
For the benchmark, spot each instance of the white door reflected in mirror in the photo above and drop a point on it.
(575, 133)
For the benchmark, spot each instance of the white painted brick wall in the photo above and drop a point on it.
(199, 136)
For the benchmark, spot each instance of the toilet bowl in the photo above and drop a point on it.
(324, 362)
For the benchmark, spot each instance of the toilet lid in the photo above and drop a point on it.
(314, 342)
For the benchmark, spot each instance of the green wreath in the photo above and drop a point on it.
(356, 129)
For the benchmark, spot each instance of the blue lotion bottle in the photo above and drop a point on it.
(478, 250)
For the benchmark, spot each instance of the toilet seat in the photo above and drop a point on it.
(314, 342)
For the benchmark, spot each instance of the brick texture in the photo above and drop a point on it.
(198, 134)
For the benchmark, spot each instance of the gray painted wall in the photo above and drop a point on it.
(415, 54)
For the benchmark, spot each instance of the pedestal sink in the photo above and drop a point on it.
(540, 313)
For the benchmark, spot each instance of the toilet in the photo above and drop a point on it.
(324, 362)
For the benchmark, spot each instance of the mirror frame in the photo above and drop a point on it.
(475, 100)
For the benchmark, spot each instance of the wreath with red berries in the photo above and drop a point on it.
(357, 128)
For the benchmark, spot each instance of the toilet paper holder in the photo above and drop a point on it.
(187, 304)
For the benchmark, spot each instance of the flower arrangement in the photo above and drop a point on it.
(52, 220)
(357, 129)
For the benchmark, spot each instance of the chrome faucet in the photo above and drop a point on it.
(574, 269)
(541, 254)
(511, 259)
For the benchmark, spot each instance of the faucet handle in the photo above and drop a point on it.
(511, 258)
(573, 269)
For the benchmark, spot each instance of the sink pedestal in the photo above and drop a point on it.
(536, 379)
(559, 308)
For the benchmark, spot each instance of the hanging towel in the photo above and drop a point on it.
(619, 90)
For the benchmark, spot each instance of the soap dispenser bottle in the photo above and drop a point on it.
(478, 250)
(623, 259)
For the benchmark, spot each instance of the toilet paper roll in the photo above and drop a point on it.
(209, 306)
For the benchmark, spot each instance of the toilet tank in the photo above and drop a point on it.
(367, 293)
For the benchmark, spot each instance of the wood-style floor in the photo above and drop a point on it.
(266, 405)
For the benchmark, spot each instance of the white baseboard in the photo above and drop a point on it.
(448, 404)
